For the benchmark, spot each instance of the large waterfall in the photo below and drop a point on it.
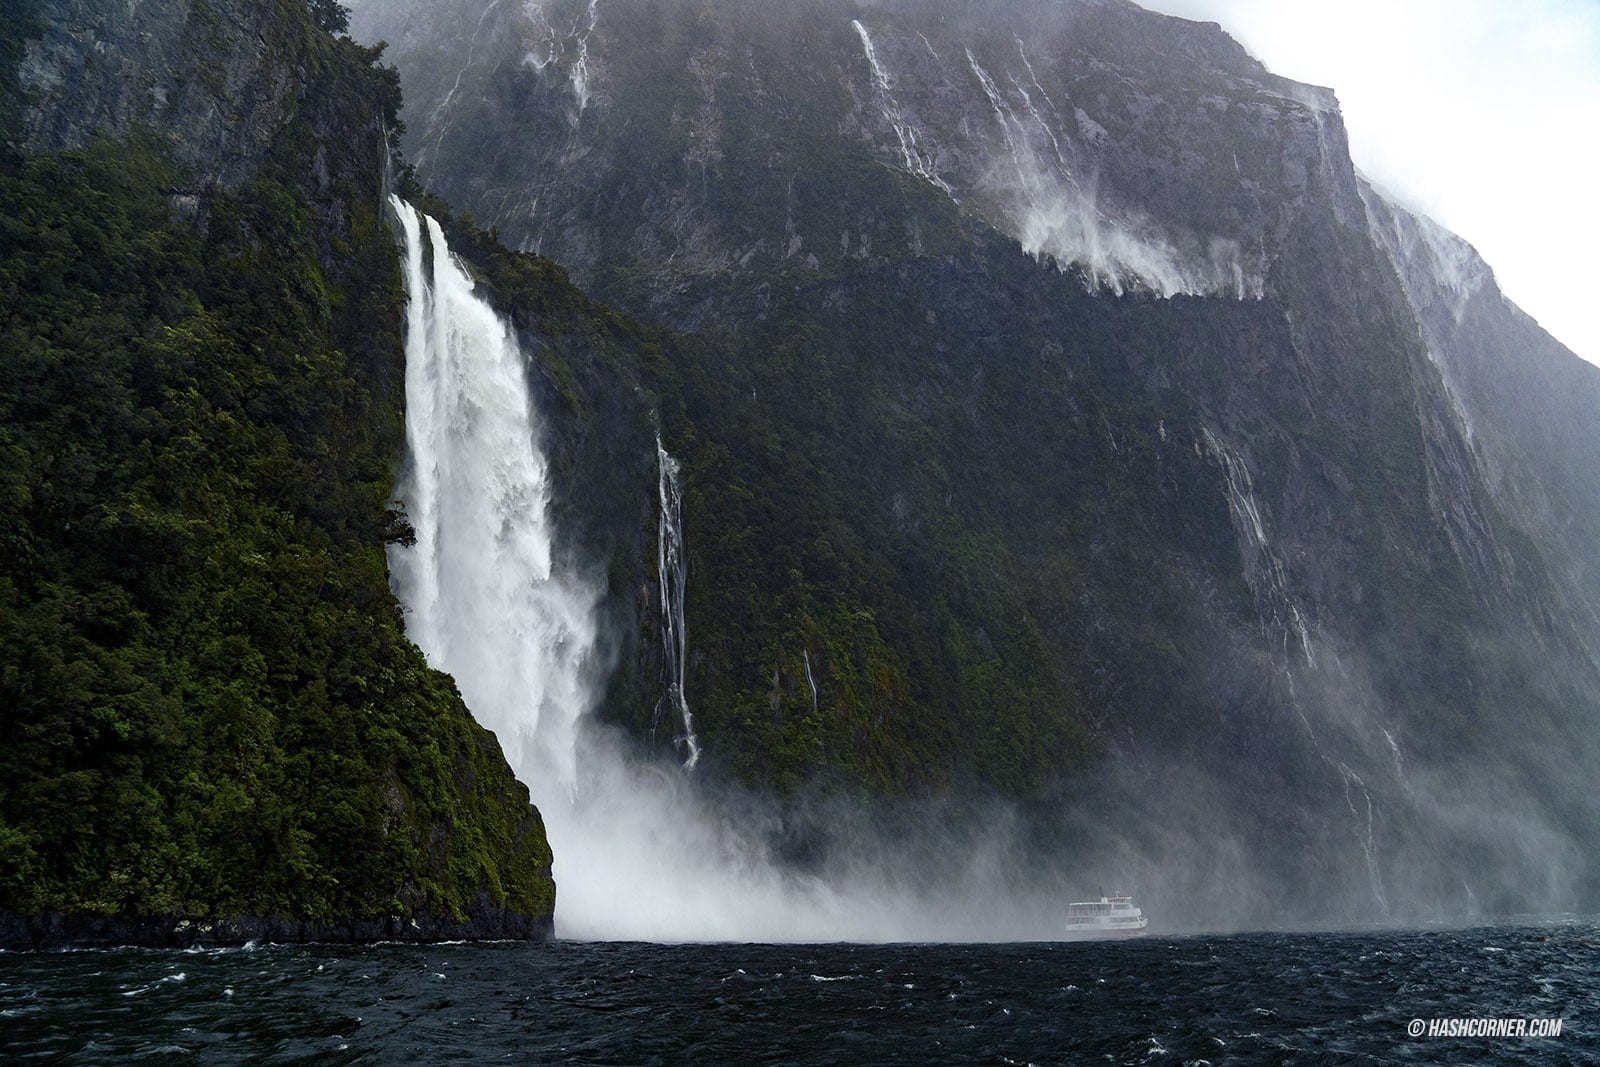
(489, 601)
(641, 852)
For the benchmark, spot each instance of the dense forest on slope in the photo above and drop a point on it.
(208, 707)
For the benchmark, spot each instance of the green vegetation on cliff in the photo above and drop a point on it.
(208, 707)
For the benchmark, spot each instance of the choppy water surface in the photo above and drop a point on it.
(1269, 997)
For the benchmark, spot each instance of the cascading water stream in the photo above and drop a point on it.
(487, 601)
(910, 150)
(1043, 188)
(672, 570)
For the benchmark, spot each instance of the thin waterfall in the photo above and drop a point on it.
(672, 567)
(486, 599)
(916, 162)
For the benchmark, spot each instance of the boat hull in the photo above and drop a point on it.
(1074, 934)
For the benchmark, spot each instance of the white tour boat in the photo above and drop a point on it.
(1113, 916)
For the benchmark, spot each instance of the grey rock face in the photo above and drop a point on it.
(1529, 406)
(207, 77)
(1402, 648)
(1053, 125)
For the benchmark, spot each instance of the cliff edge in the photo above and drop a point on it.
(214, 728)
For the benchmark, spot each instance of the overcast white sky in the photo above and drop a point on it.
(1485, 114)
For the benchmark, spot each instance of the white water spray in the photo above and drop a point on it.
(672, 570)
(1038, 186)
(641, 851)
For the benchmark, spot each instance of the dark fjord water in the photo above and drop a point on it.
(1344, 997)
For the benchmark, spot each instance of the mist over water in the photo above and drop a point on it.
(642, 849)
(651, 845)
